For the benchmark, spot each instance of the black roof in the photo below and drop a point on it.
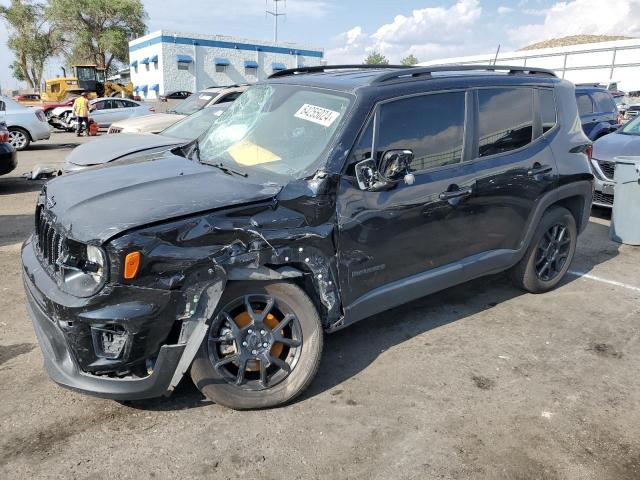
(352, 77)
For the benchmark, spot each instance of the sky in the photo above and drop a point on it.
(348, 30)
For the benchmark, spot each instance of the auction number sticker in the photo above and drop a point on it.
(315, 114)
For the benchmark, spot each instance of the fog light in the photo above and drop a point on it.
(109, 341)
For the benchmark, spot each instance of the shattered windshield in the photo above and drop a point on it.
(282, 129)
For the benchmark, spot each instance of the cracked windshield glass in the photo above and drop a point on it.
(281, 129)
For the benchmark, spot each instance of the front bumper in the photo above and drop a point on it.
(69, 357)
(64, 370)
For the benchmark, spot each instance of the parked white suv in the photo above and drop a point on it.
(159, 121)
(25, 124)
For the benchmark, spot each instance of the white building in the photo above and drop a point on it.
(163, 61)
(605, 62)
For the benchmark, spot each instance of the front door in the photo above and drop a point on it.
(389, 235)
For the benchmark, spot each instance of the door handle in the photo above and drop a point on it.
(449, 195)
(539, 170)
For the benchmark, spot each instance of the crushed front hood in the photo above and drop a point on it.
(96, 205)
(107, 148)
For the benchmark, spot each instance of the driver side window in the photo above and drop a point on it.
(431, 126)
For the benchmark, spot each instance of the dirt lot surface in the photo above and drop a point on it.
(480, 381)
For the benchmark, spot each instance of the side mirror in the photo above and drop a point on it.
(393, 166)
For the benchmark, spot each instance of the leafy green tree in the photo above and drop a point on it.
(32, 40)
(97, 31)
(409, 60)
(376, 58)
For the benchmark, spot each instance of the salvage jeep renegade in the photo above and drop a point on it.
(322, 196)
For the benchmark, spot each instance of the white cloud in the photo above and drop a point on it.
(582, 17)
(427, 32)
(504, 10)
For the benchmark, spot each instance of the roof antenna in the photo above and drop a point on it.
(495, 60)
(276, 16)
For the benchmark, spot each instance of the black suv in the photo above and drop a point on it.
(322, 196)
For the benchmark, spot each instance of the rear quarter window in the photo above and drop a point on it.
(604, 102)
(548, 113)
(505, 120)
(585, 106)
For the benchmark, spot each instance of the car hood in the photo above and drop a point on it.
(96, 205)
(108, 148)
(155, 122)
(615, 145)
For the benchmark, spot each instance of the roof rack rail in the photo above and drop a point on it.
(427, 71)
(323, 68)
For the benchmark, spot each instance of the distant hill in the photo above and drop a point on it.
(574, 40)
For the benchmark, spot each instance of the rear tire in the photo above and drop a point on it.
(19, 138)
(287, 367)
(550, 252)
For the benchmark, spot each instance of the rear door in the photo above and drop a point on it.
(385, 236)
(514, 163)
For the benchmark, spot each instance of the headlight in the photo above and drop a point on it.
(85, 271)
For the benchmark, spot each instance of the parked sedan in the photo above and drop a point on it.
(110, 148)
(8, 159)
(25, 124)
(623, 142)
(104, 111)
(177, 95)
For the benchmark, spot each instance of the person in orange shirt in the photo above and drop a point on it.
(81, 112)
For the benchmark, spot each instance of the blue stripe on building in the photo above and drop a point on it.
(223, 44)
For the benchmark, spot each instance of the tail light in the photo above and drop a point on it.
(589, 151)
(4, 136)
(151, 109)
(41, 116)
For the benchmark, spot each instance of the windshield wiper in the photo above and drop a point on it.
(224, 168)
(196, 151)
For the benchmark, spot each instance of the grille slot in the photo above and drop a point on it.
(114, 130)
(608, 168)
(602, 198)
(50, 241)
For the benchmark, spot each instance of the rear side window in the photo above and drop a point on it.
(547, 109)
(604, 102)
(505, 119)
(584, 103)
(432, 126)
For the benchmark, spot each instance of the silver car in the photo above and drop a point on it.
(25, 124)
(109, 148)
(105, 111)
(623, 142)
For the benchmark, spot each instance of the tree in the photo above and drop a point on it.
(376, 58)
(97, 31)
(409, 60)
(31, 39)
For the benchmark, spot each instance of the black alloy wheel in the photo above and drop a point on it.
(255, 342)
(553, 250)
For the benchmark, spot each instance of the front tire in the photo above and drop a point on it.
(263, 346)
(550, 253)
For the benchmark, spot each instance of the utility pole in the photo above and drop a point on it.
(275, 15)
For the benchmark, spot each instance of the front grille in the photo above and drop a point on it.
(114, 130)
(602, 198)
(608, 168)
(50, 240)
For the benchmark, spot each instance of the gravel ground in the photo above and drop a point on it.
(480, 381)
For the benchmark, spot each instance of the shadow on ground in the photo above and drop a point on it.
(15, 228)
(17, 185)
